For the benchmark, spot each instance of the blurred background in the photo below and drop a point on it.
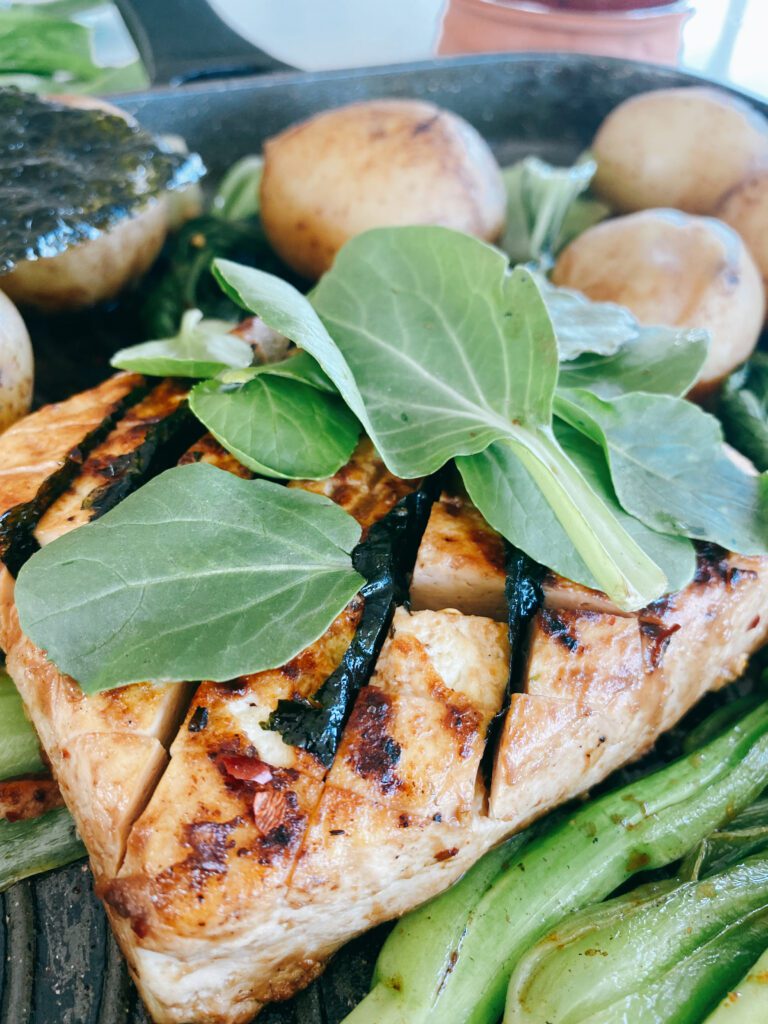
(84, 45)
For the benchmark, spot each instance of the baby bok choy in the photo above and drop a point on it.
(463, 976)
(19, 746)
(663, 954)
(747, 1003)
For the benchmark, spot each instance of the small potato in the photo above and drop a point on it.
(375, 164)
(745, 208)
(94, 270)
(16, 365)
(681, 148)
(671, 268)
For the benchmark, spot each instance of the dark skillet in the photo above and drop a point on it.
(58, 962)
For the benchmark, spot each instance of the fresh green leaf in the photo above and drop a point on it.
(30, 44)
(300, 367)
(584, 212)
(237, 196)
(439, 351)
(68, 173)
(743, 409)
(509, 498)
(585, 326)
(19, 745)
(670, 469)
(277, 426)
(659, 360)
(202, 348)
(37, 844)
(539, 197)
(197, 575)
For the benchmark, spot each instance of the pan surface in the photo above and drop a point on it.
(58, 961)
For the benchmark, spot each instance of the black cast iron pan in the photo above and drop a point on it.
(58, 962)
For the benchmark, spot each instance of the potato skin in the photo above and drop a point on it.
(16, 365)
(680, 148)
(94, 270)
(374, 164)
(671, 268)
(745, 208)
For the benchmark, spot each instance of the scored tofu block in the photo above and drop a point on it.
(418, 730)
(120, 463)
(701, 638)
(41, 453)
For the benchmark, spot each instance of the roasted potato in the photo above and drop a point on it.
(681, 148)
(16, 365)
(374, 164)
(745, 208)
(672, 268)
(101, 267)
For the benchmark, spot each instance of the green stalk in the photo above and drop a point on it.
(664, 954)
(618, 563)
(647, 824)
(19, 745)
(36, 845)
(747, 1003)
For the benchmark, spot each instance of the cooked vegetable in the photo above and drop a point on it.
(82, 200)
(745, 208)
(237, 196)
(669, 268)
(372, 164)
(746, 835)
(747, 1003)
(267, 567)
(682, 148)
(663, 954)
(384, 559)
(743, 410)
(16, 365)
(647, 824)
(19, 745)
(37, 844)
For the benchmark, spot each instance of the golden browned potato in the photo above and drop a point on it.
(16, 365)
(672, 268)
(99, 268)
(745, 208)
(375, 164)
(682, 148)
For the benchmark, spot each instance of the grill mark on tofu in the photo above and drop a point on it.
(123, 461)
(42, 453)
(561, 631)
(373, 753)
(208, 450)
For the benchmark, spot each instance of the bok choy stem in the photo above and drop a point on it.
(37, 844)
(19, 745)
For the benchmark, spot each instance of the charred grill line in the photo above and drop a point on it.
(385, 559)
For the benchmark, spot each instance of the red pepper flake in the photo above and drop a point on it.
(246, 769)
(447, 854)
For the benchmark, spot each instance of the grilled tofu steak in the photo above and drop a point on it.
(232, 863)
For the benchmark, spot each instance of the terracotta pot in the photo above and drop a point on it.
(650, 33)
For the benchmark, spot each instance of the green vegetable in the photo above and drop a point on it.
(539, 198)
(422, 945)
(66, 174)
(743, 409)
(747, 834)
(585, 326)
(31, 44)
(439, 353)
(19, 745)
(658, 360)
(664, 954)
(513, 504)
(237, 196)
(747, 1003)
(197, 575)
(278, 427)
(678, 479)
(201, 348)
(647, 824)
(36, 845)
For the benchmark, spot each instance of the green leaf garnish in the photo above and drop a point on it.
(67, 173)
(670, 469)
(440, 352)
(585, 326)
(199, 574)
(743, 409)
(19, 745)
(202, 348)
(278, 426)
(659, 360)
(300, 366)
(238, 194)
(509, 498)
